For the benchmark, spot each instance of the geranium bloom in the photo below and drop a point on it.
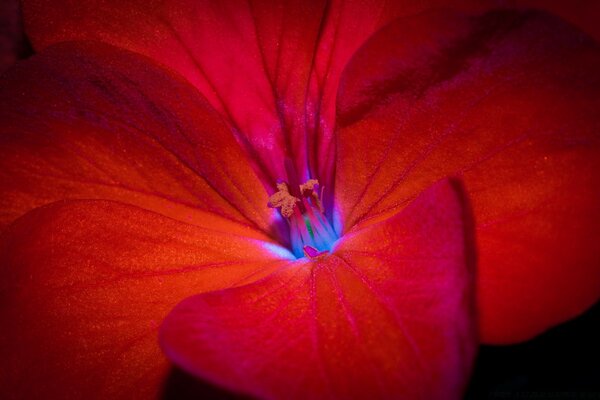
(296, 195)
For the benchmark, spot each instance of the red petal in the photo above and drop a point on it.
(387, 315)
(510, 103)
(85, 285)
(271, 68)
(93, 121)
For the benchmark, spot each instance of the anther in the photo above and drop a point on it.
(284, 200)
(307, 189)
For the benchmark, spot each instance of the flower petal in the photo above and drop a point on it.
(271, 68)
(92, 121)
(85, 285)
(509, 102)
(387, 315)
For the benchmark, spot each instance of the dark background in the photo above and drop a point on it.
(563, 363)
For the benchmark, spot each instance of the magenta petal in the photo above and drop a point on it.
(387, 315)
(270, 67)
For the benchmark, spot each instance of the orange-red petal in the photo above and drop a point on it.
(389, 314)
(85, 285)
(88, 120)
(509, 102)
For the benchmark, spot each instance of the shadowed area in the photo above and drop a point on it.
(558, 364)
(14, 45)
(182, 386)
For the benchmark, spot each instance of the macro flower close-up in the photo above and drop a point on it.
(303, 199)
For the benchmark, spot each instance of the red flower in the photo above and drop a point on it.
(136, 174)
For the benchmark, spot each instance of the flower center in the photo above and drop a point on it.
(311, 233)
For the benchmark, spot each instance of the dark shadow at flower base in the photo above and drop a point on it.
(182, 386)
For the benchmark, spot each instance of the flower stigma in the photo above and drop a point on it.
(311, 234)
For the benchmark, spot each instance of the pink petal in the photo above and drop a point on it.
(85, 285)
(92, 121)
(509, 102)
(271, 68)
(387, 315)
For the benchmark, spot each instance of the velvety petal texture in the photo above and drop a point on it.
(389, 314)
(509, 103)
(85, 286)
(90, 121)
(270, 67)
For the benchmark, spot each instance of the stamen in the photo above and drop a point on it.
(317, 223)
(283, 199)
(301, 224)
(307, 189)
(309, 228)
